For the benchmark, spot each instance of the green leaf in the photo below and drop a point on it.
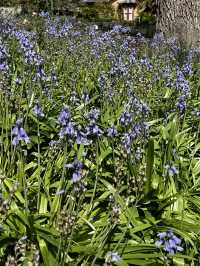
(48, 258)
(149, 167)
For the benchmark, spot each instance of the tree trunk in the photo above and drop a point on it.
(180, 18)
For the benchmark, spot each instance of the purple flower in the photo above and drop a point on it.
(112, 131)
(93, 115)
(181, 103)
(93, 130)
(81, 137)
(127, 142)
(102, 81)
(19, 133)
(76, 168)
(138, 154)
(169, 241)
(119, 68)
(171, 170)
(136, 130)
(18, 81)
(64, 116)
(126, 118)
(76, 176)
(112, 257)
(85, 97)
(37, 110)
(68, 130)
(182, 85)
(145, 62)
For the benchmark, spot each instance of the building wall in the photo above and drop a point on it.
(116, 8)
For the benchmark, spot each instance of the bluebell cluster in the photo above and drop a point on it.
(3, 59)
(26, 41)
(119, 69)
(169, 241)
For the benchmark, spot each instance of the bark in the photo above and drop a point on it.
(180, 18)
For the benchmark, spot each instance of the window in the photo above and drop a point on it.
(128, 13)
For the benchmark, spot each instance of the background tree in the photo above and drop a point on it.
(180, 18)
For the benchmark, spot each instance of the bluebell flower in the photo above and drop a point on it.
(112, 131)
(181, 103)
(4, 67)
(132, 57)
(145, 62)
(68, 130)
(182, 85)
(64, 116)
(37, 110)
(169, 241)
(138, 154)
(119, 68)
(44, 14)
(112, 257)
(76, 168)
(171, 170)
(18, 81)
(40, 75)
(3, 59)
(81, 137)
(127, 142)
(85, 97)
(94, 130)
(126, 118)
(187, 69)
(93, 115)
(158, 40)
(19, 133)
(137, 130)
(102, 81)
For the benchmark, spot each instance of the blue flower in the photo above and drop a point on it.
(93, 115)
(81, 137)
(37, 110)
(181, 103)
(169, 241)
(85, 97)
(94, 130)
(76, 167)
(112, 257)
(19, 133)
(64, 116)
(112, 131)
(126, 118)
(127, 142)
(171, 170)
(68, 130)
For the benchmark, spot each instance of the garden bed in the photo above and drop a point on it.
(99, 144)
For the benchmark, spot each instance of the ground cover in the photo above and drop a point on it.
(100, 161)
